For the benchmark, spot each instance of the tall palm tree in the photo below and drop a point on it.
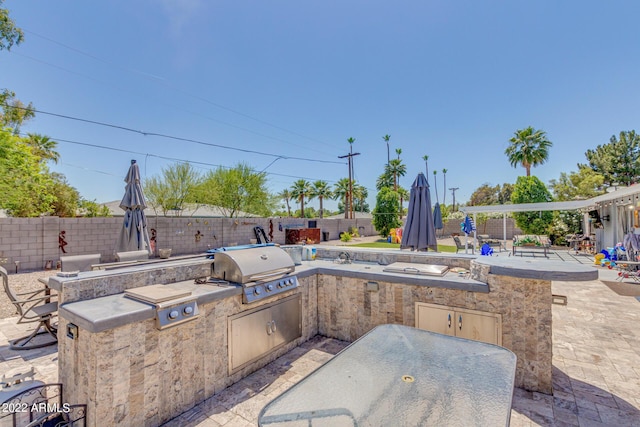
(529, 147)
(386, 139)
(341, 191)
(398, 152)
(286, 196)
(435, 184)
(444, 185)
(299, 190)
(404, 195)
(426, 165)
(43, 147)
(321, 189)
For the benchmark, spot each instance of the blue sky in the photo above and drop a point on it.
(449, 79)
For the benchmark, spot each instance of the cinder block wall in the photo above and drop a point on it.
(34, 241)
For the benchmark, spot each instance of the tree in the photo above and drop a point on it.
(13, 113)
(531, 190)
(236, 190)
(484, 195)
(341, 192)
(444, 185)
(385, 214)
(618, 161)
(581, 185)
(29, 192)
(43, 147)
(91, 208)
(386, 139)
(177, 185)
(529, 147)
(10, 34)
(299, 190)
(384, 180)
(321, 189)
(396, 169)
(67, 198)
(286, 196)
(426, 165)
(435, 183)
(360, 194)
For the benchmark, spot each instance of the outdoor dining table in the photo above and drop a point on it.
(402, 376)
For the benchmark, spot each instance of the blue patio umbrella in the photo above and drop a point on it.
(134, 235)
(419, 232)
(437, 217)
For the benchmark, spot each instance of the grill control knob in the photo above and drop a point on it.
(188, 310)
(289, 282)
(269, 287)
(173, 314)
(256, 291)
(281, 284)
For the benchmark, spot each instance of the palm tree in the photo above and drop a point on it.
(426, 165)
(321, 190)
(396, 169)
(286, 196)
(398, 152)
(43, 147)
(341, 191)
(404, 195)
(384, 180)
(444, 185)
(529, 147)
(360, 193)
(435, 183)
(386, 139)
(299, 190)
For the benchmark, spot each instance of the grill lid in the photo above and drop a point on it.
(253, 264)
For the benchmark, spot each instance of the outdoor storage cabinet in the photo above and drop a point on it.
(460, 322)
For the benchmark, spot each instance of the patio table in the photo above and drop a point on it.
(399, 375)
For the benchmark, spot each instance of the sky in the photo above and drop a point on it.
(281, 85)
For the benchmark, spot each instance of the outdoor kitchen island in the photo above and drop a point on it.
(114, 357)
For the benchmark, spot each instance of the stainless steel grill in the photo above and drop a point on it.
(262, 271)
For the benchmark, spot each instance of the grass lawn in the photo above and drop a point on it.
(383, 244)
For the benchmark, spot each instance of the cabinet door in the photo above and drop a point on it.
(434, 318)
(249, 337)
(286, 321)
(478, 326)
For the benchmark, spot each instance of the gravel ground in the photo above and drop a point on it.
(21, 282)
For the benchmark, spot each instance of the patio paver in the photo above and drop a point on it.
(596, 367)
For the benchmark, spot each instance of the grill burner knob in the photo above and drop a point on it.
(281, 284)
(269, 287)
(173, 314)
(257, 291)
(188, 310)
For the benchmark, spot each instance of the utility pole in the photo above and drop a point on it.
(350, 195)
(453, 191)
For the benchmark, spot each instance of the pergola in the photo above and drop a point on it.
(627, 196)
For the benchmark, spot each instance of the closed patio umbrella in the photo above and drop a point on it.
(134, 235)
(437, 217)
(419, 232)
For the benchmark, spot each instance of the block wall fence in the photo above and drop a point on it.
(32, 242)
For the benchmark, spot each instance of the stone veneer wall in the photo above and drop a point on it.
(347, 311)
(136, 375)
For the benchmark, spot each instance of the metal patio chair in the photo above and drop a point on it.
(33, 307)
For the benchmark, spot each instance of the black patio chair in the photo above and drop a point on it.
(33, 307)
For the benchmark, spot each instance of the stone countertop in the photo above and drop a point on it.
(540, 269)
(373, 271)
(100, 314)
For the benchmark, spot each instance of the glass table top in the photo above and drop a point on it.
(399, 375)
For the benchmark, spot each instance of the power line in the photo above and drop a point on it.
(170, 105)
(165, 83)
(176, 138)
